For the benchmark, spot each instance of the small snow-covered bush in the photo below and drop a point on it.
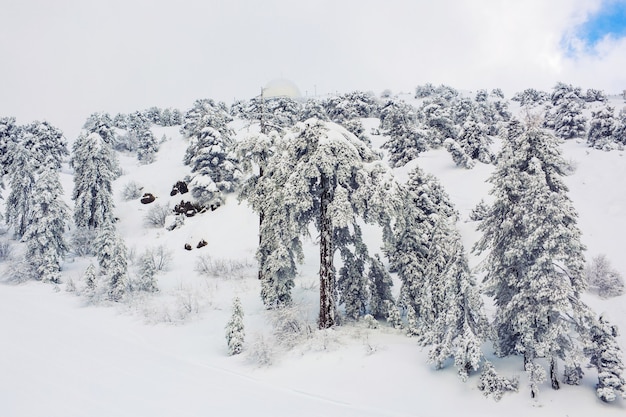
(156, 216)
(5, 250)
(370, 321)
(492, 384)
(479, 212)
(260, 351)
(132, 191)
(603, 279)
(290, 325)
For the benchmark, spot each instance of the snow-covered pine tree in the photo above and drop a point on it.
(19, 204)
(313, 109)
(474, 140)
(147, 274)
(44, 234)
(602, 128)
(90, 279)
(45, 142)
(213, 165)
(459, 156)
(313, 165)
(438, 290)
(436, 116)
(606, 356)
(112, 259)
(9, 135)
(95, 168)
(207, 113)
(569, 121)
(235, 332)
(147, 145)
(620, 127)
(460, 327)
(352, 285)
(380, 283)
(406, 140)
(534, 267)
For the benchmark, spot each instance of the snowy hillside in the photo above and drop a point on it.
(65, 354)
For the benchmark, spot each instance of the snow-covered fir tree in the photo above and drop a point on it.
(313, 109)
(90, 279)
(235, 332)
(606, 356)
(351, 106)
(46, 246)
(95, 168)
(321, 174)
(436, 116)
(438, 289)
(569, 121)
(475, 141)
(147, 274)
(380, 284)
(619, 134)
(45, 142)
(112, 260)
(19, 204)
(352, 285)
(147, 146)
(602, 128)
(9, 135)
(207, 113)
(459, 156)
(213, 165)
(534, 267)
(406, 140)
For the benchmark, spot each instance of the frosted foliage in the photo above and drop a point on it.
(602, 129)
(317, 164)
(44, 235)
(569, 121)
(380, 283)
(206, 113)
(407, 139)
(22, 181)
(534, 268)
(235, 333)
(112, 259)
(95, 169)
(444, 307)
(603, 278)
(213, 166)
(46, 143)
(459, 156)
(606, 356)
(491, 384)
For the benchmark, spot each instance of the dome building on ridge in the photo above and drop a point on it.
(281, 88)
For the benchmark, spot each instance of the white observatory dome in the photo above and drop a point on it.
(281, 88)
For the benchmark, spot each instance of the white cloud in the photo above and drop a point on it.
(63, 60)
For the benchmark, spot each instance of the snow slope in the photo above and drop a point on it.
(166, 354)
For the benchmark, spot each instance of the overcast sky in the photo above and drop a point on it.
(61, 60)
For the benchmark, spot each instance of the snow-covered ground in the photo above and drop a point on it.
(166, 354)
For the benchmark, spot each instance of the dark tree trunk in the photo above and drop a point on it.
(261, 217)
(327, 290)
(554, 370)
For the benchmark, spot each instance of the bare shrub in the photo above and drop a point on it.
(20, 270)
(220, 267)
(156, 216)
(290, 326)
(160, 256)
(603, 279)
(132, 191)
(6, 251)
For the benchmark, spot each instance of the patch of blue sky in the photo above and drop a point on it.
(609, 20)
